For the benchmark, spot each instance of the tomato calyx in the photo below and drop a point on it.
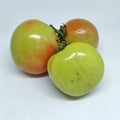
(61, 33)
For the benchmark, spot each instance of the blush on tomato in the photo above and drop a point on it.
(81, 30)
(32, 43)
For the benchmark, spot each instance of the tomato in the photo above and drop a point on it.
(81, 30)
(76, 69)
(32, 43)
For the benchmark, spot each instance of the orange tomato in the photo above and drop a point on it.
(81, 30)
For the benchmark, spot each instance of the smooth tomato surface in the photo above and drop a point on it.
(81, 30)
(32, 43)
(77, 69)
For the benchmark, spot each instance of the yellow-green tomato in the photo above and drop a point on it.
(32, 43)
(77, 69)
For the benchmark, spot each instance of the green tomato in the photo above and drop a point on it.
(77, 69)
(32, 43)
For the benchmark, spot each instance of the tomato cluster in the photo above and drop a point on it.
(68, 54)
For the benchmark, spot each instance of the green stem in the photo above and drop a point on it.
(60, 37)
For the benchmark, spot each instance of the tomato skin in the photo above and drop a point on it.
(32, 43)
(81, 30)
(77, 69)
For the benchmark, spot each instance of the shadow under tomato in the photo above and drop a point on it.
(35, 76)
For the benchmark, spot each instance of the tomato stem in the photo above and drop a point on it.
(60, 37)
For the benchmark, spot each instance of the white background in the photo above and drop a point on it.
(23, 97)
